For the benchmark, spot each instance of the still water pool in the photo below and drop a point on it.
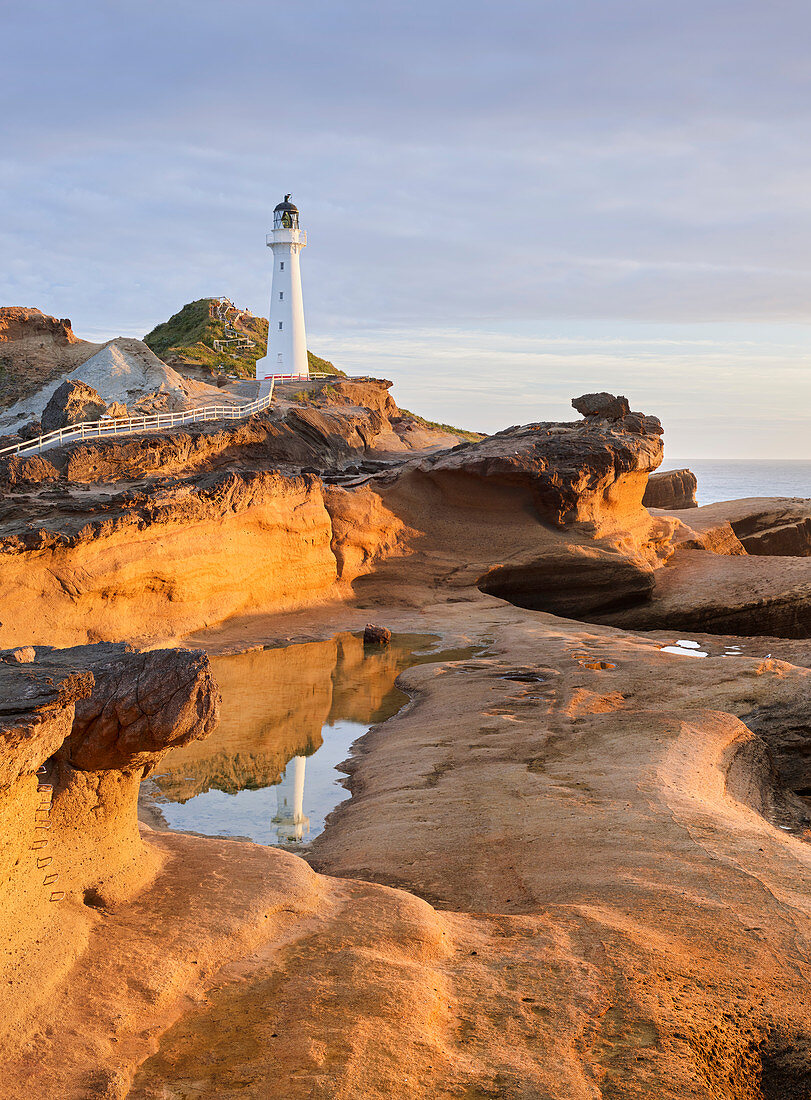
(289, 717)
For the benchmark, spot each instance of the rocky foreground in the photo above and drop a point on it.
(576, 866)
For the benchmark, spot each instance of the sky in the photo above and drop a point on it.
(507, 204)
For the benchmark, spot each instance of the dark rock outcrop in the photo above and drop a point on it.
(671, 489)
(72, 403)
(603, 405)
(28, 470)
(30, 430)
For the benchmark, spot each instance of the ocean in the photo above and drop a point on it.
(720, 479)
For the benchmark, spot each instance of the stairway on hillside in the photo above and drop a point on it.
(219, 310)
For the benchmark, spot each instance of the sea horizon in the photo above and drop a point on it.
(722, 479)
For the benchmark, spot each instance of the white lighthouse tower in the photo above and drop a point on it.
(287, 342)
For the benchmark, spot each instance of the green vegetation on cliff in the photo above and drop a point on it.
(463, 433)
(187, 339)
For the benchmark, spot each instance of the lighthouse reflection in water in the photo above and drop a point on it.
(292, 824)
(270, 772)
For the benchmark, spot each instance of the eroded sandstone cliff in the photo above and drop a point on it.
(79, 729)
(35, 348)
(548, 516)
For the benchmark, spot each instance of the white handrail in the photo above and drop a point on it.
(89, 429)
(297, 377)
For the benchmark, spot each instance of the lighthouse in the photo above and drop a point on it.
(287, 342)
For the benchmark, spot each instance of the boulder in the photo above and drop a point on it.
(72, 403)
(24, 655)
(604, 405)
(671, 489)
(155, 402)
(376, 635)
(26, 469)
(30, 430)
(117, 410)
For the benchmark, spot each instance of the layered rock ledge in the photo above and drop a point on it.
(79, 729)
(548, 516)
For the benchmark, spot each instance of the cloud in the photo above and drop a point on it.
(461, 168)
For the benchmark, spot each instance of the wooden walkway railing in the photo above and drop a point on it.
(101, 429)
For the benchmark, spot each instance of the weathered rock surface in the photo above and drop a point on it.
(761, 526)
(567, 869)
(71, 403)
(603, 404)
(23, 323)
(742, 567)
(27, 470)
(700, 590)
(142, 704)
(548, 515)
(35, 348)
(671, 489)
(78, 729)
(36, 714)
(575, 866)
(769, 527)
(346, 423)
(30, 430)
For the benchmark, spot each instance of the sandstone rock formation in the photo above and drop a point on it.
(567, 869)
(79, 728)
(742, 567)
(766, 527)
(671, 489)
(576, 865)
(22, 323)
(35, 348)
(549, 516)
(343, 425)
(71, 403)
(603, 405)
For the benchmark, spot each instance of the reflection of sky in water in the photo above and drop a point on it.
(251, 813)
(289, 717)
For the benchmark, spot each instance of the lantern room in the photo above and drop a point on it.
(285, 215)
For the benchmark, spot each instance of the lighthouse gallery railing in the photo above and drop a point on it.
(94, 429)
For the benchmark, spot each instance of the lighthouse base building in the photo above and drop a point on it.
(287, 340)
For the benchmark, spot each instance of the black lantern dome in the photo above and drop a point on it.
(285, 215)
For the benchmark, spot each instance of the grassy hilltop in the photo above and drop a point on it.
(187, 339)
